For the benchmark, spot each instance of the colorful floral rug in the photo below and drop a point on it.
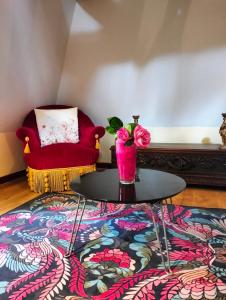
(116, 256)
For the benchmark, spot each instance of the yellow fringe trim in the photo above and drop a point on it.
(55, 180)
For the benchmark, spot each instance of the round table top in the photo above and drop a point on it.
(151, 186)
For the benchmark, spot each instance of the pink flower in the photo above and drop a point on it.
(200, 284)
(120, 258)
(94, 235)
(142, 137)
(123, 134)
(131, 226)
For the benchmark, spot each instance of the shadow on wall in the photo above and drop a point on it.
(33, 37)
(145, 29)
(150, 56)
(131, 30)
(114, 32)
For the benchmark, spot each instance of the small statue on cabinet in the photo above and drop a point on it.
(222, 132)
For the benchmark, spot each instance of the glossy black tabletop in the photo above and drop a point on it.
(150, 186)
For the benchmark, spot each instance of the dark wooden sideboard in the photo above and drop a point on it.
(198, 164)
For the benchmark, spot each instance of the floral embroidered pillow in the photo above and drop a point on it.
(57, 125)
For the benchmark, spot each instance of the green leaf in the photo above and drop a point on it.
(95, 244)
(144, 238)
(107, 241)
(3, 285)
(130, 127)
(110, 275)
(115, 123)
(84, 252)
(90, 265)
(108, 231)
(88, 284)
(176, 234)
(96, 272)
(142, 251)
(129, 142)
(121, 271)
(111, 130)
(101, 286)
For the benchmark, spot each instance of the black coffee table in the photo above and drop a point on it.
(150, 187)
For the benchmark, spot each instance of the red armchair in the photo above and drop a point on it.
(52, 167)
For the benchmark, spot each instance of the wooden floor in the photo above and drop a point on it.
(17, 192)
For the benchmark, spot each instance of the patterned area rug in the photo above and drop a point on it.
(116, 256)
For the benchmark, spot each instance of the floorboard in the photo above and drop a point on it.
(16, 192)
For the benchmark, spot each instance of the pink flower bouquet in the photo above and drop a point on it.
(128, 137)
(129, 134)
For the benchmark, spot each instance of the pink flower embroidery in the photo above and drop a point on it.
(94, 235)
(121, 259)
(142, 137)
(130, 226)
(200, 284)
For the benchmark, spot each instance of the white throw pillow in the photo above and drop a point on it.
(57, 125)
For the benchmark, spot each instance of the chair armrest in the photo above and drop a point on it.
(90, 134)
(24, 132)
(100, 130)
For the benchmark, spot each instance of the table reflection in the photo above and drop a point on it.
(127, 192)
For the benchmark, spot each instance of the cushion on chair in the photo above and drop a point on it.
(57, 125)
(60, 156)
(30, 119)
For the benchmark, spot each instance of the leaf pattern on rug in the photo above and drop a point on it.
(116, 254)
(77, 279)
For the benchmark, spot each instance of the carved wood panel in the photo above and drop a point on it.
(202, 166)
(182, 162)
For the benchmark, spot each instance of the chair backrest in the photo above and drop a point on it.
(83, 120)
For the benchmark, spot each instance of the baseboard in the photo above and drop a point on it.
(12, 176)
(21, 173)
(104, 165)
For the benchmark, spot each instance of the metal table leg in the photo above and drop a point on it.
(77, 221)
(171, 203)
(165, 238)
(167, 268)
(103, 206)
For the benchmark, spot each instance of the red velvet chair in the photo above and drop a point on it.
(52, 167)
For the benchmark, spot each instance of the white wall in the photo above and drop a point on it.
(164, 60)
(33, 37)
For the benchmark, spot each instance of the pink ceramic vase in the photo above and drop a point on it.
(126, 162)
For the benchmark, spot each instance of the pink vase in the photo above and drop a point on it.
(126, 162)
